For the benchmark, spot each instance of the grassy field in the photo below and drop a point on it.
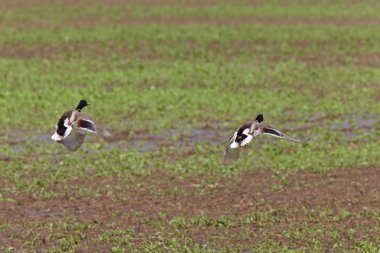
(172, 80)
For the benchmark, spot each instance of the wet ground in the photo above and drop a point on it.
(143, 140)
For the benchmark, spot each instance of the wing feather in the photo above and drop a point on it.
(276, 133)
(74, 140)
(88, 125)
(232, 151)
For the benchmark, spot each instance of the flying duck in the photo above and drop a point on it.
(73, 125)
(245, 134)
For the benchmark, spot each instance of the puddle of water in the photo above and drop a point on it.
(18, 149)
(171, 137)
(366, 123)
(42, 137)
(350, 121)
(16, 137)
(145, 141)
(142, 146)
(354, 125)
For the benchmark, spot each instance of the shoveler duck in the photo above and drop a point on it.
(73, 125)
(247, 132)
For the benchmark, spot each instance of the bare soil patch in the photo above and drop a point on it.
(198, 3)
(260, 50)
(370, 59)
(22, 51)
(90, 22)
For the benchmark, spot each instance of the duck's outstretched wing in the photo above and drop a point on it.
(102, 131)
(276, 133)
(231, 154)
(232, 151)
(73, 140)
(86, 124)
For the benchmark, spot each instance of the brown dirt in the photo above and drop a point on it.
(259, 49)
(20, 51)
(197, 3)
(40, 22)
(188, 20)
(231, 49)
(240, 20)
(5, 158)
(137, 205)
(370, 60)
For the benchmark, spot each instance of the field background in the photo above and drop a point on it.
(172, 80)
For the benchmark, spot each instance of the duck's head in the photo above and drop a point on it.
(260, 118)
(82, 104)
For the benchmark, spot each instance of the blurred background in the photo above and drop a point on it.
(172, 80)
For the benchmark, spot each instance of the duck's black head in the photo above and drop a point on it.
(82, 104)
(260, 118)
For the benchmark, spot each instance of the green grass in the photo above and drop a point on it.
(310, 68)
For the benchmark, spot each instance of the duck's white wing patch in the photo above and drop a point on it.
(231, 143)
(74, 140)
(276, 133)
(57, 137)
(234, 145)
(247, 140)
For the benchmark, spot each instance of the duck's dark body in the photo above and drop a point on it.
(61, 128)
(240, 136)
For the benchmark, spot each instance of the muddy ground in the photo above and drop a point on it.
(285, 197)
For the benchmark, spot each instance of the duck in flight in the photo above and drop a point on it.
(248, 131)
(73, 125)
